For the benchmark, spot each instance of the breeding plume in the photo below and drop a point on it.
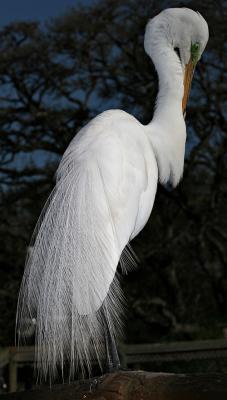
(105, 189)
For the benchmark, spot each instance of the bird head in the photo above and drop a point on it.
(186, 31)
(189, 34)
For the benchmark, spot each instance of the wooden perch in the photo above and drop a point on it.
(135, 385)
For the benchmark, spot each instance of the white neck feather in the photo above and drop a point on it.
(167, 130)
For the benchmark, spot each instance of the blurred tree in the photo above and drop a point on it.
(53, 79)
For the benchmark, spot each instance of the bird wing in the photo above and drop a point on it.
(87, 222)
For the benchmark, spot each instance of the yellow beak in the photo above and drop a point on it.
(188, 74)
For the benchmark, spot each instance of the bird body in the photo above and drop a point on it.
(105, 189)
(113, 153)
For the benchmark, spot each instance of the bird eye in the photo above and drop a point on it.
(177, 51)
(195, 52)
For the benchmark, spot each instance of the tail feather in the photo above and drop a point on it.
(70, 283)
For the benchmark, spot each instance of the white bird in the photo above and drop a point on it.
(105, 189)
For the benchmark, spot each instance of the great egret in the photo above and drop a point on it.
(105, 189)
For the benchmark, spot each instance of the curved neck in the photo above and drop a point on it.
(166, 131)
(158, 43)
(170, 75)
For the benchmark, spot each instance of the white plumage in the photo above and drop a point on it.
(105, 189)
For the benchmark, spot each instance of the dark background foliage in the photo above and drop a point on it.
(53, 79)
